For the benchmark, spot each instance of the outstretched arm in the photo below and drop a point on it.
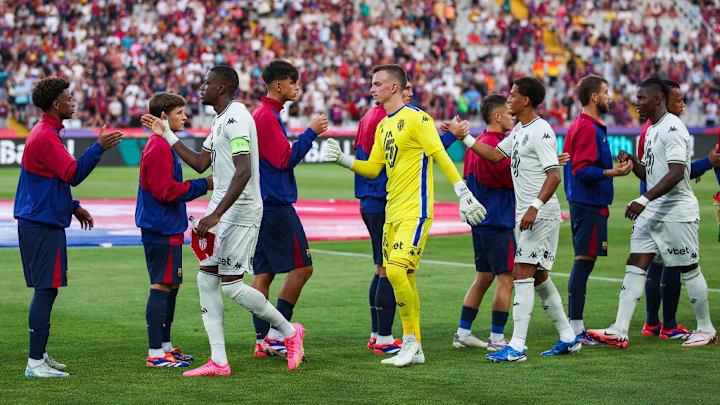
(368, 168)
(486, 152)
(199, 161)
(237, 185)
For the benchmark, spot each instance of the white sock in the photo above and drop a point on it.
(213, 314)
(577, 325)
(419, 347)
(384, 340)
(522, 309)
(373, 335)
(631, 292)
(553, 306)
(167, 346)
(156, 352)
(698, 292)
(32, 363)
(275, 334)
(461, 332)
(497, 337)
(255, 302)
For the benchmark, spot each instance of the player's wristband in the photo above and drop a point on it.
(642, 200)
(468, 141)
(346, 161)
(169, 135)
(537, 203)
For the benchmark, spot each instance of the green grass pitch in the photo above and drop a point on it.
(99, 325)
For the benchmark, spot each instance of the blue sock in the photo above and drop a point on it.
(285, 308)
(467, 316)
(170, 314)
(261, 328)
(156, 316)
(39, 320)
(385, 305)
(373, 310)
(652, 294)
(670, 292)
(577, 286)
(499, 319)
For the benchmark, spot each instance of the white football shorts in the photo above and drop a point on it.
(538, 245)
(676, 243)
(234, 248)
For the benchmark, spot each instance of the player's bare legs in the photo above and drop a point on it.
(293, 284)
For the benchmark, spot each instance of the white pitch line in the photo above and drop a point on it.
(456, 264)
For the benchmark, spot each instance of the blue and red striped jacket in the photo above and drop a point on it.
(278, 157)
(47, 171)
(491, 184)
(371, 192)
(585, 183)
(160, 210)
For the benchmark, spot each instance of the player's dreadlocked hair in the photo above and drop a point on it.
(396, 71)
(659, 85)
(531, 88)
(279, 70)
(48, 90)
(489, 104)
(229, 77)
(165, 102)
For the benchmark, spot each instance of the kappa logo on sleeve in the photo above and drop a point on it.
(231, 121)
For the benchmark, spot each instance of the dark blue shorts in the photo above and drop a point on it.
(494, 252)
(282, 245)
(374, 223)
(164, 261)
(589, 231)
(44, 256)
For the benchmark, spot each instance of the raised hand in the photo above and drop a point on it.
(107, 141)
(334, 154)
(319, 124)
(153, 123)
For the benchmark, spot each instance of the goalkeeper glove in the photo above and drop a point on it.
(169, 135)
(471, 210)
(334, 154)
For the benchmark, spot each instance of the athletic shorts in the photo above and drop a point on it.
(374, 223)
(537, 246)
(405, 240)
(495, 252)
(234, 249)
(282, 245)
(676, 243)
(589, 231)
(43, 252)
(164, 260)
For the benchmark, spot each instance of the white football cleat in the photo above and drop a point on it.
(419, 358)
(54, 364)
(468, 341)
(406, 355)
(700, 338)
(44, 371)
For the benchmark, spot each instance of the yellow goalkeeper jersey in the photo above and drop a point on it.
(404, 142)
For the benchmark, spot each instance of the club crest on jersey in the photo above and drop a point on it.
(401, 124)
(525, 139)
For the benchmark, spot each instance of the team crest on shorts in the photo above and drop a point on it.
(307, 252)
(604, 245)
(179, 271)
(401, 124)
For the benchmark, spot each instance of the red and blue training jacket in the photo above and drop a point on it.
(491, 183)
(160, 210)
(278, 157)
(47, 171)
(585, 181)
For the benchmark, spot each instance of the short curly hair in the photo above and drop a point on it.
(48, 90)
(165, 102)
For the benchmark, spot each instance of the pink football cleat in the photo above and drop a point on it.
(294, 345)
(209, 368)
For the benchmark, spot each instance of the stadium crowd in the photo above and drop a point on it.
(119, 52)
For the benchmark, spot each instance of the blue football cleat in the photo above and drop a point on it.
(507, 354)
(180, 355)
(564, 348)
(586, 340)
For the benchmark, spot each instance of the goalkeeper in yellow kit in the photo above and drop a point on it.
(406, 144)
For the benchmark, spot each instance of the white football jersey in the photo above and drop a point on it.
(234, 122)
(668, 141)
(533, 150)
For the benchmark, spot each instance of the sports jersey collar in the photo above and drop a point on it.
(226, 108)
(499, 135)
(54, 122)
(390, 115)
(274, 104)
(660, 120)
(530, 123)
